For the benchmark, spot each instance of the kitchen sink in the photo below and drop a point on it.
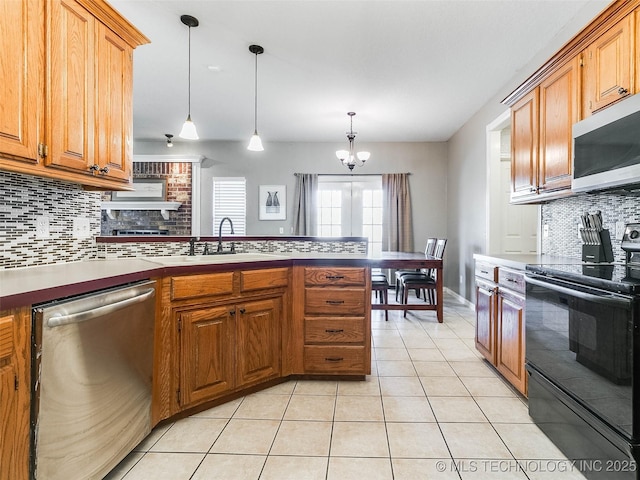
(214, 259)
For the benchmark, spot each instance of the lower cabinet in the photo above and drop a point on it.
(15, 388)
(332, 310)
(225, 347)
(206, 339)
(510, 338)
(500, 321)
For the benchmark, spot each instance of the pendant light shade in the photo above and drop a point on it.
(255, 144)
(189, 131)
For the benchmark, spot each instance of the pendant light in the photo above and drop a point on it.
(348, 157)
(255, 144)
(169, 140)
(189, 128)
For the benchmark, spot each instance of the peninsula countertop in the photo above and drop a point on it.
(30, 285)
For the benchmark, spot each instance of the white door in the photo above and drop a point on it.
(348, 208)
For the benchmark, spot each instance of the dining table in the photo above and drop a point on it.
(410, 261)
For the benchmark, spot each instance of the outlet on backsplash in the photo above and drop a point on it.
(619, 230)
(545, 230)
(42, 227)
(81, 227)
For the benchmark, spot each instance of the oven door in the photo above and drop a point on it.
(581, 339)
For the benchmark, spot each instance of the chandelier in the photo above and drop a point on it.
(348, 157)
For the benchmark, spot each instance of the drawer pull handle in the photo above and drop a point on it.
(334, 277)
(333, 359)
(335, 302)
(484, 271)
(334, 330)
(511, 280)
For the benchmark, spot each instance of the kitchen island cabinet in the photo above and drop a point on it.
(226, 335)
(69, 86)
(15, 393)
(332, 310)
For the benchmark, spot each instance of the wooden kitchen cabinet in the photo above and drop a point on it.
(333, 315)
(207, 336)
(21, 81)
(608, 67)
(68, 115)
(218, 333)
(541, 137)
(510, 338)
(500, 321)
(15, 393)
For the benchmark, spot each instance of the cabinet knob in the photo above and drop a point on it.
(242, 310)
(232, 312)
(104, 170)
(622, 91)
(94, 168)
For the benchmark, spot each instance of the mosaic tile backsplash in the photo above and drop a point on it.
(23, 199)
(563, 217)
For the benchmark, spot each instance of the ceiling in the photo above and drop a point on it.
(413, 71)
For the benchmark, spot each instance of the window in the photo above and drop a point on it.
(349, 208)
(230, 200)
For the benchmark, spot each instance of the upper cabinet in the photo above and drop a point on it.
(608, 67)
(541, 146)
(68, 92)
(598, 67)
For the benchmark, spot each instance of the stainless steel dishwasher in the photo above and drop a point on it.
(92, 362)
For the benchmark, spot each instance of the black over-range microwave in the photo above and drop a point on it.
(606, 148)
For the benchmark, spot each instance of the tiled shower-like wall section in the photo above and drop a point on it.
(563, 216)
(23, 199)
(178, 178)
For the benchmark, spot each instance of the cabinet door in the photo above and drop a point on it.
(559, 110)
(113, 100)
(608, 67)
(524, 146)
(510, 339)
(21, 71)
(486, 320)
(206, 353)
(258, 340)
(70, 93)
(14, 394)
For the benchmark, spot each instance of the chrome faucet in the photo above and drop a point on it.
(233, 248)
(192, 246)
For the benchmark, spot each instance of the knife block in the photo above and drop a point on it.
(599, 253)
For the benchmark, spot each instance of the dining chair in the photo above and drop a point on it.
(380, 285)
(429, 251)
(425, 281)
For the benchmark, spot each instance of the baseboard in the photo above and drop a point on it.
(459, 298)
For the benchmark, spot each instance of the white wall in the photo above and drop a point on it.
(427, 163)
(467, 174)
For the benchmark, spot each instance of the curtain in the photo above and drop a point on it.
(397, 231)
(304, 204)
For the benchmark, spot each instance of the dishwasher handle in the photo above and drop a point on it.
(59, 320)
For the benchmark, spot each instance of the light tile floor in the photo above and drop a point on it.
(432, 409)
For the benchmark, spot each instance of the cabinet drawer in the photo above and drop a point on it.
(511, 279)
(329, 359)
(267, 278)
(487, 271)
(201, 285)
(335, 301)
(334, 276)
(333, 330)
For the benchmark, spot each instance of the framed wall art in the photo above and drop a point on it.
(273, 202)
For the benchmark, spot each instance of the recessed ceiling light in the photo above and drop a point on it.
(214, 68)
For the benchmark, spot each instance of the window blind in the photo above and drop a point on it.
(230, 200)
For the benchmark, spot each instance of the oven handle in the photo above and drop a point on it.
(606, 299)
